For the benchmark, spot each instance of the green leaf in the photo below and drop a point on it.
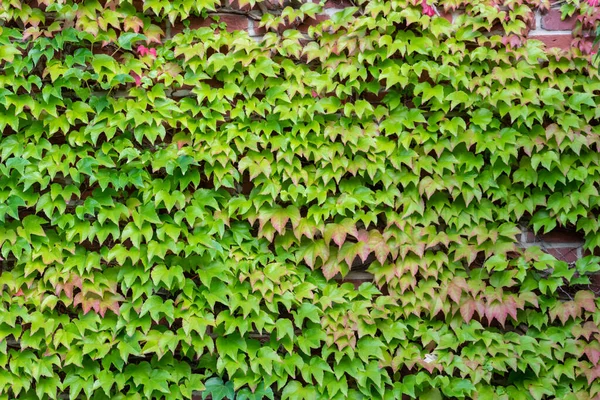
(218, 390)
(482, 117)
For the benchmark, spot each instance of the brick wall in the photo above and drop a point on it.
(544, 25)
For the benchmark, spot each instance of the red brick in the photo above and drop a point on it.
(374, 98)
(356, 278)
(587, 252)
(234, 23)
(109, 50)
(303, 27)
(447, 15)
(561, 236)
(236, 5)
(529, 237)
(558, 41)
(139, 5)
(552, 21)
(259, 30)
(568, 254)
(338, 4)
(355, 282)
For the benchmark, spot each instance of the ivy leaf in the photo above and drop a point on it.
(32, 225)
(218, 390)
(577, 99)
(8, 52)
(482, 117)
(127, 39)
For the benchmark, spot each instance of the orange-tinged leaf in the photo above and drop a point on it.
(379, 245)
(467, 309)
(454, 291)
(337, 232)
(586, 300)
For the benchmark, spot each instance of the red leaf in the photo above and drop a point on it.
(592, 374)
(530, 298)
(138, 79)
(511, 307)
(378, 243)
(279, 220)
(454, 292)
(498, 311)
(133, 23)
(586, 300)
(427, 9)
(331, 268)
(337, 232)
(142, 50)
(592, 351)
(586, 330)
(565, 310)
(362, 250)
(467, 310)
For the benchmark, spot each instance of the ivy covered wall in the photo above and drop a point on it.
(347, 199)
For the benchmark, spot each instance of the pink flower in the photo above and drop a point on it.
(593, 3)
(427, 9)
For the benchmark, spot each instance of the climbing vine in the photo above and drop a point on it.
(181, 204)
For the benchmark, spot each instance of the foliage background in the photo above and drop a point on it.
(180, 209)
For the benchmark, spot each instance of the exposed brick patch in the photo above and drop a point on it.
(139, 5)
(528, 237)
(375, 98)
(595, 283)
(356, 278)
(568, 254)
(259, 30)
(355, 282)
(236, 5)
(561, 236)
(559, 41)
(303, 27)
(234, 23)
(446, 14)
(338, 4)
(109, 50)
(586, 252)
(552, 21)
